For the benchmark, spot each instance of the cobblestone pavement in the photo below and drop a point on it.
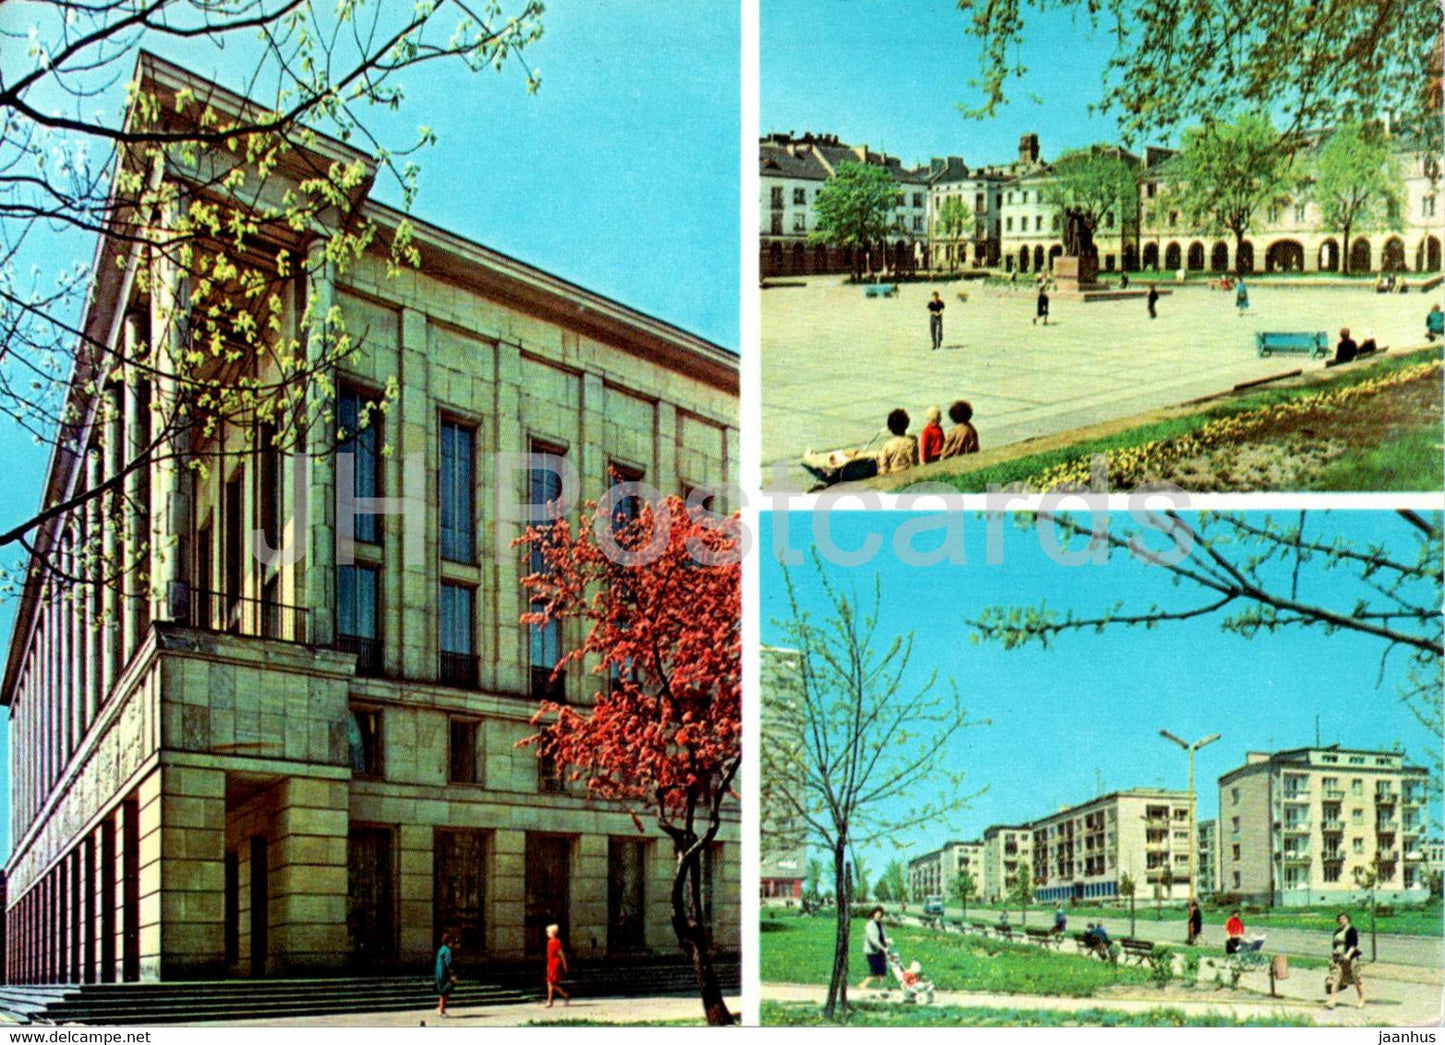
(834, 362)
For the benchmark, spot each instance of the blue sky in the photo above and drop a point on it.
(1091, 706)
(620, 174)
(892, 75)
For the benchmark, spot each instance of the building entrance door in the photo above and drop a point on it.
(370, 896)
(460, 888)
(549, 870)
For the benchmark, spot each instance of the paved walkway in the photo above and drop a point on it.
(835, 362)
(640, 1011)
(1387, 1004)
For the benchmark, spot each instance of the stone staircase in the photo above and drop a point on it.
(228, 1001)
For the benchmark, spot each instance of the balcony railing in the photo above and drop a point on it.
(1332, 856)
(1297, 827)
(1332, 826)
(1296, 856)
(1334, 794)
(1296, 796)
(458, 669)
(368, 653)
(227, 614)
(1386, 798)
(1387, 856)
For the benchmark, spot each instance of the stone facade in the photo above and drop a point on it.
(1295, 827)
(220, 776)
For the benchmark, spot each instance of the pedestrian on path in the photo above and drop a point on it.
(1345, 962)
(1241, 298)
(935, 321)
(1196, 923)
(556, 966)
(446, 976)
(1153, 300)
(875, 949)
(1042, 309)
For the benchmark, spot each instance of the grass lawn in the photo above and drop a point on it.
(869, 1014)
(1404, 453)
(1425, 920)
(800, 950)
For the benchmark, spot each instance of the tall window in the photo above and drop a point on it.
(545, 640)
(366, 744)
(800, 197)
(463, 754)
(458, 660)
(777, 196)
(457, 493)
(358, 624)
(364, 444)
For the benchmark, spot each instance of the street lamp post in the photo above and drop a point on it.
(1193, 816)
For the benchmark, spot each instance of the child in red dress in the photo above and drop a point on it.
(556, 966)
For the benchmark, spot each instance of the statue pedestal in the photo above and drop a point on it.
(1076, 275)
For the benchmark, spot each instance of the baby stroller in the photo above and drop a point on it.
(915, 987)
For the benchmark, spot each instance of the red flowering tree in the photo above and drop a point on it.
(661, 608)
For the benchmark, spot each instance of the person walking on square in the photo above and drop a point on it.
(1196, 923)
(446, 977)
(1041, 311)
(1153, 300)
(1241, 298)
(875, 949)
(935, 321)
(556, 966)
(1345, 961)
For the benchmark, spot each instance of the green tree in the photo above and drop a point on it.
(215, 208)
(855, 208)
(1226, 173)
(812, 882)
(1094, 183)
(954, 222)
(963, 889)
(1021, 891)
(858, 891)
(895, 877)
(1173, 63)
(1165, 887)
(1357, 184)
(853, 708)
(1127, 888)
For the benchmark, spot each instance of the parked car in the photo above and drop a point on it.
(933, 906)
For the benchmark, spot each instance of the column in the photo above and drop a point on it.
(416, 592)
(186, 830)
(507, 894)
(664, 476)
(587, 898)
(319, 577)
(167, 505)
(137, 480)
(509, 438)
(75, 609)
(417, 882)
(309, 876)
(94, 526)
(113, 544)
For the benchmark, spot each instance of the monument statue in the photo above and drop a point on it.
(1078, 239)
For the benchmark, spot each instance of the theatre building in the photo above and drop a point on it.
(225, 768)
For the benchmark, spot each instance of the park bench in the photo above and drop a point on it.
(1137, 951)
(979, 927)
(1292, 343)
(1434, 325)
(880, 290)
(1091, 945)
(1044, 937)
(1004, 930)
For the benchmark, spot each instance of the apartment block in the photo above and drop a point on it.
(784, 861)
(934, 873)
(1083, 851)
(1006, 849)
(1297, 827)
(1208, 865)
(308, 766)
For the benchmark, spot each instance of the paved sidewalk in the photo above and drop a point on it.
(638, 1011)
(834, 362)
(1382, 1010)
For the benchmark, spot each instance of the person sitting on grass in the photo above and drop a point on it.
(930, 440)
(962, 438)
(1346, 350)
(901, 452)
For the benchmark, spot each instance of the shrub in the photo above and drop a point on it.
(1190, 971)
(1161, 966)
